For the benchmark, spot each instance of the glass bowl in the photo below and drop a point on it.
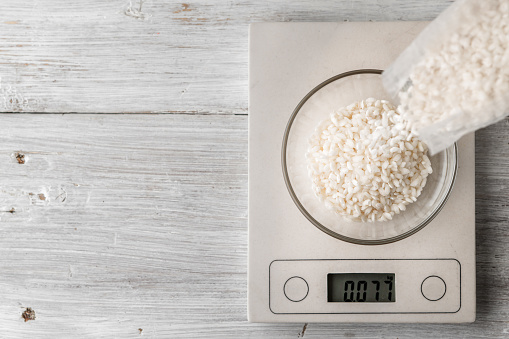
(332, 94)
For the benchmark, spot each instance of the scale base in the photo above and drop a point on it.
(289, 258)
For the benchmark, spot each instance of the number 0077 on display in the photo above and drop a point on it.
(361, 287)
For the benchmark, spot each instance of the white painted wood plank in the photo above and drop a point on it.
(142, 224)
(122, 222)
(104, 56)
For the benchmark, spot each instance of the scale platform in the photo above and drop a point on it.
(428, 277)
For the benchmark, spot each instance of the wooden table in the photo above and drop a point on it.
(129, 225)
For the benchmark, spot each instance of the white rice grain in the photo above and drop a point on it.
(364, 162)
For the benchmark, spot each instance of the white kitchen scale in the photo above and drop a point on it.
(297, 272)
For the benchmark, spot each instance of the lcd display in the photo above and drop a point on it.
(361, 287)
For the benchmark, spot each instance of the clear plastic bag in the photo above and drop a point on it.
(454, 77)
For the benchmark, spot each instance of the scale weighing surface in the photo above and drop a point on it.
(428, 277)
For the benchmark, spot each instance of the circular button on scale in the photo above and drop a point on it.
(433, 288)
(296, 289)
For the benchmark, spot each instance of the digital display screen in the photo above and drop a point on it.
(361, 287)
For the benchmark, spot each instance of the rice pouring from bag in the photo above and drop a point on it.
(454, 77)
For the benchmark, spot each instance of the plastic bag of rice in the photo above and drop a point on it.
(365, 163)
(454, 78)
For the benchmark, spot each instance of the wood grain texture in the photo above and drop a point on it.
(108, 56)
(124, 222)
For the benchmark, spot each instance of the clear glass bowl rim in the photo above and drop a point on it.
(310, 217)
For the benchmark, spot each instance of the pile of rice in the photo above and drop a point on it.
(365, 163)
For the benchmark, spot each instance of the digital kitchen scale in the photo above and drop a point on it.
(299, 273)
